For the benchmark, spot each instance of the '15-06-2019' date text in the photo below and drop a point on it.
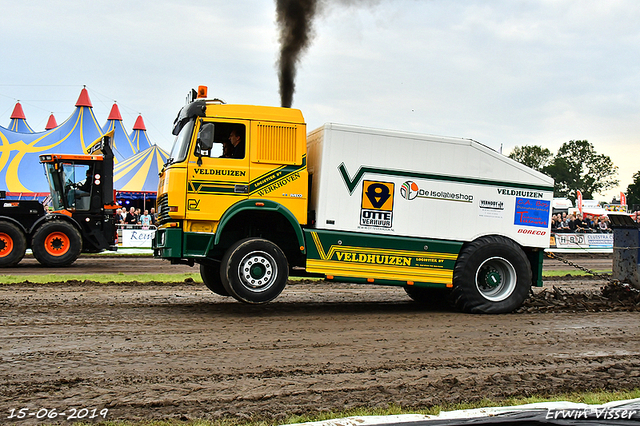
(52, 413)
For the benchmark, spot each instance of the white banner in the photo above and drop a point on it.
(595, 240)
(137, 237)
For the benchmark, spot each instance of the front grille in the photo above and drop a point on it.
(163, 209)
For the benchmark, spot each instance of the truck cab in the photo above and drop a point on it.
(260, 192)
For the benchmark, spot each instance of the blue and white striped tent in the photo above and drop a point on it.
(139, 137)
(139, 173)
(122, 146)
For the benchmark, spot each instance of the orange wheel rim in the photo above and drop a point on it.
(56, 243)
(6, 244)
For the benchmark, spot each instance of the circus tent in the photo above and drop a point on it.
(136, 178)
(139, 137)
(20, 169)
(122, 146)
(18, 121)
(135, 175)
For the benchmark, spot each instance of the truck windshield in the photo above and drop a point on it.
(181, 144)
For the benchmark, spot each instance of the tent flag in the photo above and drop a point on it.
(122, 146)
(140, 172)
(139, 136)
(18, 121)
(20, 168)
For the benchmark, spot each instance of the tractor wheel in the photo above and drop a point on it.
(211, 277)
(56, 243)
(13, 244)
(492, 276)
(254, 270)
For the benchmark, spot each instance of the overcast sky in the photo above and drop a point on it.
(502, 72)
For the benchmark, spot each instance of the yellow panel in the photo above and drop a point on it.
(343, 269)
(276, 143)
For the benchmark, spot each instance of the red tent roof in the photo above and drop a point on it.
(17, 112)
(115, 113)
(51, 123)
(83, 99)
(139, 124)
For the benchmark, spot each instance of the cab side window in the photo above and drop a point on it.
(229, 141)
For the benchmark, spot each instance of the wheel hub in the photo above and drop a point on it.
(6, 245)
(258, 271)
(496, 279)
(57, 243)
(492, 279)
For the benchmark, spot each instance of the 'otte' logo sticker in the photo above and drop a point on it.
(377, 204)
(409, 190)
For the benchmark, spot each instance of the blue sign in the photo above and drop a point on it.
(531, 212)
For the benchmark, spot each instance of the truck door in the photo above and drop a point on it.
(219, 177)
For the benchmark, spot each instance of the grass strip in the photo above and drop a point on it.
(101, 278)
(592, 398)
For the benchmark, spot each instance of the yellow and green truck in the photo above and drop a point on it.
(444, 218)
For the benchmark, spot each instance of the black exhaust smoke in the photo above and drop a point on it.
(295, 18)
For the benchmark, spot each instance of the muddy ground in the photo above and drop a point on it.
(175, 350)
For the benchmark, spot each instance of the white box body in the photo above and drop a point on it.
(412, 185)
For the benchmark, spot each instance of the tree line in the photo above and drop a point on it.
(576, 166)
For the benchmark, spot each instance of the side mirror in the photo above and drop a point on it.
(205, 136)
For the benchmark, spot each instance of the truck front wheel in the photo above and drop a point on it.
(492, 276)
(56, 243)
(254, 270)
(211, 277)
(13, 244)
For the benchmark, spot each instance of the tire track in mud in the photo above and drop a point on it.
(178, 351)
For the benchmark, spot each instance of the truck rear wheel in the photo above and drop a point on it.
(211, 277)
(254, 270)
(13, 245)
(56, 243)
(492, 276)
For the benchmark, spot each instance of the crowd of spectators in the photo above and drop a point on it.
(579, 224)
(136, 217)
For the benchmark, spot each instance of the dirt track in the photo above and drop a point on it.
(179, 351)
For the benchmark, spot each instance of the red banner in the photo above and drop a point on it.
(579, 201)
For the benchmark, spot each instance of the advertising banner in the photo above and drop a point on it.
(137, 237)
(582, 241)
